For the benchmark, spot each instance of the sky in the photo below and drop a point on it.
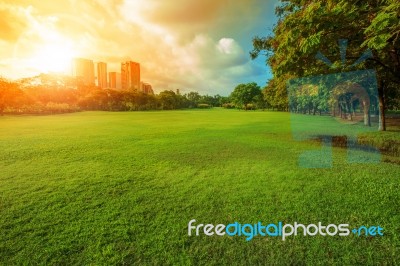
(189, 45)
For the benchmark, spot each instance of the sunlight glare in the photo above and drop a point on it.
(53, 56)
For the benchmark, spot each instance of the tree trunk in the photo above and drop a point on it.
(381, 98)
(348, 109)
(367, 117)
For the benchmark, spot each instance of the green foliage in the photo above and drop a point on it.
(275, 94)
(245, 94)
(384, 31)
(228, 105)
(64, 99)
(203, 106)
(169, 100)
(305, 28)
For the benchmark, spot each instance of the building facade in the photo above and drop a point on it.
(130, 75)
(146, 88)
(102, 75)
(83, 71)
(114, 80)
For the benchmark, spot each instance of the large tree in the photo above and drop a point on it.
(305, 28)
(245, 94)
(10, 95)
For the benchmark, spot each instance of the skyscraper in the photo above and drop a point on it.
(83, 70)
(130, 75)
(114, 80)
(146, 88)
(102, 75)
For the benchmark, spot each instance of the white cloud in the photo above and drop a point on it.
(226, 45)
(185, 44)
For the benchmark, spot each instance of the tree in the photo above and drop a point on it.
(275, 93)
(10, 94)
(207, 99)
(245, 94)
(307, 27)
(193, 98)
(168, 100)
(220, 100)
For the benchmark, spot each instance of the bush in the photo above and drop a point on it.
(203, 106)
(250, 106)
(228, 105)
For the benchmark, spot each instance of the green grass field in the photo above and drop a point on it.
(107, 188)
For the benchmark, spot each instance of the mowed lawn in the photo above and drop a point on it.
(120, 188)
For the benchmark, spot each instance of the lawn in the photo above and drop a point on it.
(107, 188)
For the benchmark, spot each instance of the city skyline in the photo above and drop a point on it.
(128, 78)
(205, 51)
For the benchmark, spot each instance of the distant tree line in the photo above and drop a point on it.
(41, 99)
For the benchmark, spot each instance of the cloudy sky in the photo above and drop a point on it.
(190, 45)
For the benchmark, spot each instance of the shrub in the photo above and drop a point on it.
(203, 106)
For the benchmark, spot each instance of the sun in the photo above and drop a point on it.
(53, 55)
(53, 58)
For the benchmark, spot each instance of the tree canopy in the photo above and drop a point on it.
(309, 28)
(24, 98)
(245, 94)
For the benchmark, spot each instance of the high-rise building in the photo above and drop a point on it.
(102, 75)
(130, 75)
(119, 86)
(146, 88)
(83, 70)
(114, 80)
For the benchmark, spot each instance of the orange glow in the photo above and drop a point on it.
(177, 43)
(54, 55)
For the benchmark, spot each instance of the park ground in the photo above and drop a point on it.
(107, 188)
